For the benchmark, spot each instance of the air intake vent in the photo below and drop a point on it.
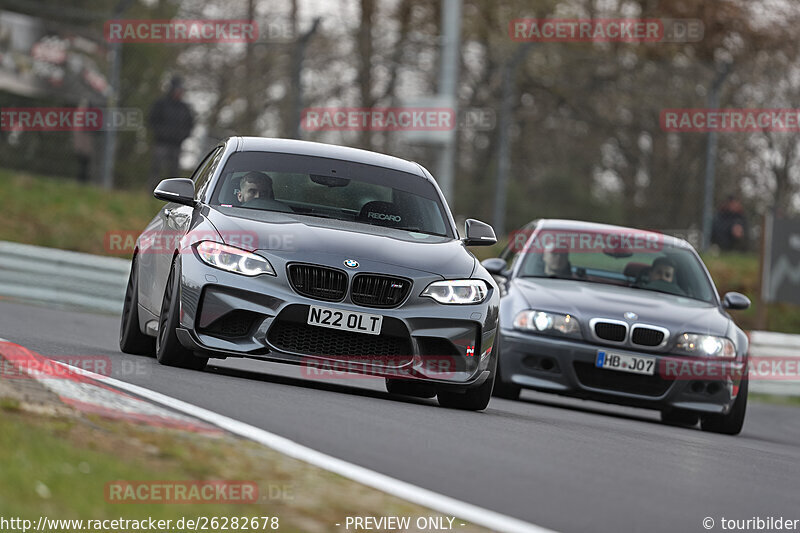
(234, 324)
(647, 336)
(373, 290)
(610, 331)
(437, 346)
(311, 340)
(318, 282)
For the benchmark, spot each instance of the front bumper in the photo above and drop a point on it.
(229, 315)
(567, 367)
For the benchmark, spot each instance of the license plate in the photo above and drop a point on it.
(345, 320)
(635, 364)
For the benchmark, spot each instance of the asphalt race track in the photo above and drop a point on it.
(562, 464)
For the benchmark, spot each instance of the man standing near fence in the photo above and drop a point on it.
(171, 122)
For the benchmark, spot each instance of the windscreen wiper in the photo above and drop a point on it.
(319, 215)
(418, 230)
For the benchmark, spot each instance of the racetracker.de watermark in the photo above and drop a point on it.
(181, 31)
(70, 119)
(64, 367)
(378, 119)
(633, 241)
(730, 120)
(626, 30)
(758, 368)
(166, 242)
(181, 492)
(395, 367)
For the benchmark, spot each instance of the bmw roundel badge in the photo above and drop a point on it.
(351, 263)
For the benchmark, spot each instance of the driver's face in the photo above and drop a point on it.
(555, 261)
(251, 191)
(663, 273)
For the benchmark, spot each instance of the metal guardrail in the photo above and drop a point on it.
(63, 278)
(783, 348)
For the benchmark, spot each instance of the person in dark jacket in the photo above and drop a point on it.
(729, 228)
(171, 122)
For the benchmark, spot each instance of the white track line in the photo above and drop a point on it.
(401, 489)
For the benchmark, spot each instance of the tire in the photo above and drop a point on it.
(679, 417)
(131, 338)
(407, 387)
(507, 391)
(169, 350)
(474, 399)
(731, 423)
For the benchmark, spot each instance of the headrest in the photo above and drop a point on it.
(228, 193)
(635, 270)
(380, 213)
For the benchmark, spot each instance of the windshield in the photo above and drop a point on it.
(637, 259)
(331, 188)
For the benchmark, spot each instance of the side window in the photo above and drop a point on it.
(517, 240)
(205, 170)
(511, 254)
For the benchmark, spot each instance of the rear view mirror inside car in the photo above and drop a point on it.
(617, 253)
(329, 181)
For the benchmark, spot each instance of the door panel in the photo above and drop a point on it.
(171, 225)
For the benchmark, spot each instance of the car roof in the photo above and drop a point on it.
(330, 151)
(580, 225)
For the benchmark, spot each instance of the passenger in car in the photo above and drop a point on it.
(663, 276)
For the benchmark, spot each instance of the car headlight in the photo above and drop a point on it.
(460, 291)
(705, 345)
(233, 259)
(547, 323)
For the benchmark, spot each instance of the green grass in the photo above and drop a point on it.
(62, 213)
(733, 271)
(44, 473)
(59, 468)
(9, 404)
(793, 401)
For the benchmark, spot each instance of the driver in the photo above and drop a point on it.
(556, 263)
(255, 185)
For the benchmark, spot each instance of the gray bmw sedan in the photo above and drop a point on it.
(623, 316)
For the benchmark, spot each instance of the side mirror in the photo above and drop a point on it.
(178, 190)
(478, 233)
(735, 300)
(495, 266)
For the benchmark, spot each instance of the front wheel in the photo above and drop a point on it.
(507, 391)
(169, 350)
(474, 399)
(731, 423)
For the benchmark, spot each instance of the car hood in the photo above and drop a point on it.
(301, 237)
(590, 300)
